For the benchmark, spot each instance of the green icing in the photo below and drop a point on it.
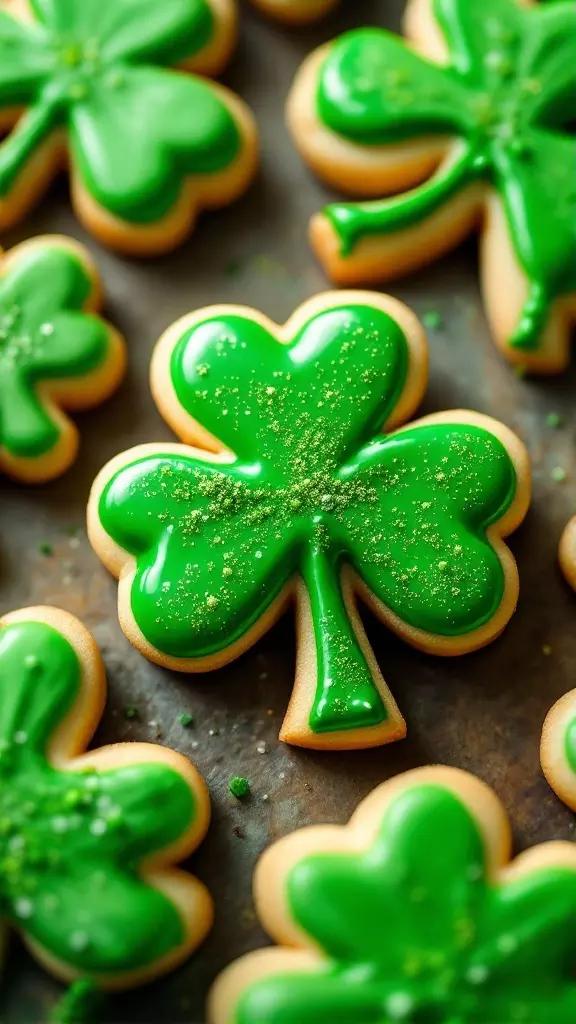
(508, 93)
(414, 930)
(570, 743)
(311, 487)
(44, 335)
(137, 130)
(71, 842)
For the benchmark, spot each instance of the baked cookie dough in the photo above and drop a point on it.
(285, 491)
(467, 124)
(116, 91)
(89, 840)
(411, 912)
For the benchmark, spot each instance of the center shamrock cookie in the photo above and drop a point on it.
(298, 495)
(483, 119)
(95, 83)
(88, 841)
(410, 913)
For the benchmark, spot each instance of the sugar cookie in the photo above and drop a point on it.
(474, 133)
(411, 912)
(55, 354)
(297, 497)
(295, 12)
(89, 84)
(88, 840)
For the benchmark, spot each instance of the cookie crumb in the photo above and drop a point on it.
(238, 832)
(261, 747)
(239, 787)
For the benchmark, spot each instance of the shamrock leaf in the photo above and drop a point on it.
(409, 916)
(312, 503)
(96, 72)
(498, 109)
(75, 831)
(54, 354)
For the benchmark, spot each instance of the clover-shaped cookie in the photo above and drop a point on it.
(95, 84)
(55, 354)
(297, 496)
(410, 913)
(295, 12)
(483, 119)
(88, 840)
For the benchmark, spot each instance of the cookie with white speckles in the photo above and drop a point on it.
(411, 912)
(465, 126)
(88, 841)
(291, 494)
(56, 354)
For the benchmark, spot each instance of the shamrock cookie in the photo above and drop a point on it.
(297, 496)
(558, 748)
(55, 354)
(295, 12)
(88, 840)
(90, 84)
(482, 118)
(411, 912)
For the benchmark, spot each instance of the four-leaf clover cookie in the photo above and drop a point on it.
(88, 841)
(469, 125)
(55, 354)
(292, 494)
(102, 86)
(410, 913)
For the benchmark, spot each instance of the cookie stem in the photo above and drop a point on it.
(354, 221)
(346, 696)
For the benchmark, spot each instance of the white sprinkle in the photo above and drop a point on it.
(59, 823)
(399, 1005)
(79, 941)
(47, 330)
(477, 974)
(31, 661)
(20, 737)
(475, 871)
(23, 907)
(264, 796)
(261, 747)
(74, 542)
(507, 943)
(98, 827)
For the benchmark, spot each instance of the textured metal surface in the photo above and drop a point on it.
(483, 712)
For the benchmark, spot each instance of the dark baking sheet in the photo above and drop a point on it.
(483, 712)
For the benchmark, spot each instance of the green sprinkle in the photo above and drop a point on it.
(232, 268)
(432, 320)
(554, 420)
(186, 720)
(131, 712)
(46, 549)
(239, 787)
(558, 474)
(79, 1004)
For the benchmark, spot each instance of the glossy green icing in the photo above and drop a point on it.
(570, 743)
(97, 68)
(44, 335)
(415, 930)
(508, 93)
(311, 487)
(71, 841)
